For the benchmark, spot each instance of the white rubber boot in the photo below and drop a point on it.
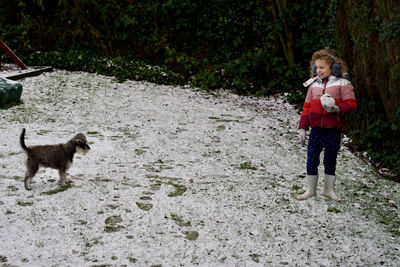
(312, 181)
(329, 187)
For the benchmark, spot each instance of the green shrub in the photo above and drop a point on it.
(375, 135)
(119, 67)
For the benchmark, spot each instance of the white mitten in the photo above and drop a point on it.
(302, 136)
(328, 103)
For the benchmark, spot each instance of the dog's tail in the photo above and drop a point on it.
(22, 140)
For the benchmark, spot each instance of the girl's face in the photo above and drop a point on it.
(323, 68)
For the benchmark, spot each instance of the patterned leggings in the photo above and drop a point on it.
(327, 139)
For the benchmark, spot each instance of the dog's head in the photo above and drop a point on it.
(81, 143)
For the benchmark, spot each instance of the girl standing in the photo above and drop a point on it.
(325, 119)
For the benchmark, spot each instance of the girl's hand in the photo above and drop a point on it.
(328, 103)
(302, 136)
(334, 108)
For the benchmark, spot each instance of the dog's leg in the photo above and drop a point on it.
(32, 168)
(28, 180)
(63, 178)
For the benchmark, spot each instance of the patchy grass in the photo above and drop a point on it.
(144, 206)
(179, 190)
(255, 257)
(179, 220)
(247, 166)
(112, 224)
(12, 188)
(58, 190)
(179, 177)
(24, 204)
(139, 151)
(334, 210)
(191, 235)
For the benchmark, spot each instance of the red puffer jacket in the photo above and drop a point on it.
(314, 115)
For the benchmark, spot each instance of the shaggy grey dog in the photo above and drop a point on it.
(58, 157)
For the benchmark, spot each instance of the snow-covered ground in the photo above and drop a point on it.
(180, 177)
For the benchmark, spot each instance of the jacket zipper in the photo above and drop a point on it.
(322, 109)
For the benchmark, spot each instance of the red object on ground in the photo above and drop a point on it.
(13, 55)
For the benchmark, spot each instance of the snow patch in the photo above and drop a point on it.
(180, 177)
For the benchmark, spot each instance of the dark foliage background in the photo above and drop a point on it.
(257, 47)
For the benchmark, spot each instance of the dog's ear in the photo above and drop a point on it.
(80, 142)
(81, 137)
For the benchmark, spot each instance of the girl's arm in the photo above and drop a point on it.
(349, 103)
(305, 115)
